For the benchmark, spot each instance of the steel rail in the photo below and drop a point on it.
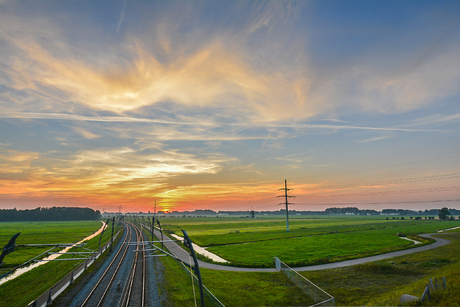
(135, 271)
(131, 277)
(108, 268)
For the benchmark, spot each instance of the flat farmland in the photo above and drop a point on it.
(378, 283)
(28, 286)
(311, 239)
(41, 233)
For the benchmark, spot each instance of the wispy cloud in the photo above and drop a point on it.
(100, 173)
(377, 138)
(76, 117)
(86, 133)
(434, 119)
(122, 15)
(128, 119)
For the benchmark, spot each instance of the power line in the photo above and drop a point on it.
(398, 181)
(385, 202)
(380, 193)
(382, 167)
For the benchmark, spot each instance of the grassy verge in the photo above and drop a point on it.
(382, 283)
(231, 288)
(254, 289)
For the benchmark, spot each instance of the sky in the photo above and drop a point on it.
(114, 105)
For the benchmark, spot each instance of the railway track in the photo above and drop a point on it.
(135, 292)
(123, 282)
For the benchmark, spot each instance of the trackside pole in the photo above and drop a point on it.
(161, 231)
(111, 239)
(152, 225)
(188, 243)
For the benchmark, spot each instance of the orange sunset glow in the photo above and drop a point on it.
(213, 105)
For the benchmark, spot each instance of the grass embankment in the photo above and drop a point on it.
(254, 243)
(27, 287)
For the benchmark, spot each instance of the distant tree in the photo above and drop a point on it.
(443, 213)
(49, 214)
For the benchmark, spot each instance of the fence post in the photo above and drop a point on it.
(71, 278)
(444, 282)
(48, 302)
(426, 293)
(316, 299)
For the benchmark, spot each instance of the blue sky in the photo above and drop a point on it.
(213, 104)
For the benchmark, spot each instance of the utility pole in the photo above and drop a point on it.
(286, 196)
(113, 227)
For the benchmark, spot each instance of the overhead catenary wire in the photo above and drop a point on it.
(381, 203)
(391, 192)
(379, 167)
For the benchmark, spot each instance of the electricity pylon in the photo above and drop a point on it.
(286, 196)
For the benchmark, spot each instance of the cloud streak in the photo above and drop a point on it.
(213, 75)
(124, 119)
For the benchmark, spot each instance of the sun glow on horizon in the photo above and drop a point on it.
(195, 108)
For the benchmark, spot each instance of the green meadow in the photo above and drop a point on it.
(311, 240)
(41, 233)
(27, 287)
(315, 240)
(379, 283)
(254, 243)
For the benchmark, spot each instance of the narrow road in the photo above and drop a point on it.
(183, 255)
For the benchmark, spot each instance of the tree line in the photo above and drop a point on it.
(329, 211)
(49, 214)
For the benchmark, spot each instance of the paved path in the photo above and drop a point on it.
(184, 256)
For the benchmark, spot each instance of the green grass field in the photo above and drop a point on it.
(374, 284)
(27, 287)
(311, 240)
(41, 233)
